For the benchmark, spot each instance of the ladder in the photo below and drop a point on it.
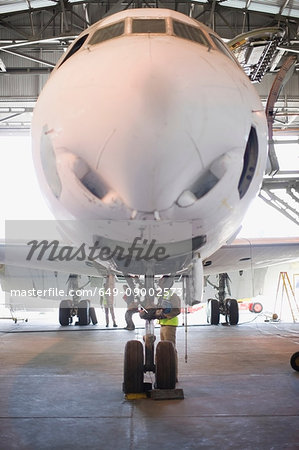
(284, 287)
(265, 60)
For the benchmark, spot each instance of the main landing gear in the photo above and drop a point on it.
(68, 309)
(226, 306)
(82, 309)
(229, 308)
(138, 361)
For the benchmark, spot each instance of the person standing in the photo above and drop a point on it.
(108, 300)
(167, 315)
(132, 308)
(168, 318)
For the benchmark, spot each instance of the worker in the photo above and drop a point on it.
(108, 300)
(132, 308)
(167, 314)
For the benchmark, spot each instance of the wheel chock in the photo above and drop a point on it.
(167, 394)
(136, 396)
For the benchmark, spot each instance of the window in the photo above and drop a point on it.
(106, 33)
(186, 31)
(148, 26)
(222, 47)
(76, 46)
(249, 163)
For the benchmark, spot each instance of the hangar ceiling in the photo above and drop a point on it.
(263, 34)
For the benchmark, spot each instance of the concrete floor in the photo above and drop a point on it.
(62, 390)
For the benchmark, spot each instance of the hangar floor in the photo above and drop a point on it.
(62, 390)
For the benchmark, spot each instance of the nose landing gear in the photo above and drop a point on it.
(133, 368)
(163, 366)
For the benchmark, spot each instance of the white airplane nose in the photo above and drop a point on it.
(164, 142)
(163, 134)
(146, 155)
(145, 166)
(146, 135)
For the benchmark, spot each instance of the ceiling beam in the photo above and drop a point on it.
(30, 58)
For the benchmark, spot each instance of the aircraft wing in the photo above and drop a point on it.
(241, 254)
(15, 255)
(244, 254)
(44, 275)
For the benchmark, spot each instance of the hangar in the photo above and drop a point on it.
(61, 389)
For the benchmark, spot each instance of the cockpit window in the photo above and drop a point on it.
(103, 34)
(220, 45)
(148, 26)
(186, 31)
(77, 45)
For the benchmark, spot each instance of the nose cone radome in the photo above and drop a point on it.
(148, 117)
(149, 167)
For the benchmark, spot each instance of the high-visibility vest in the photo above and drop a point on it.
(107, 301)
(173, 322)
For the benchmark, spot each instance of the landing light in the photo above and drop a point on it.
(187, 198)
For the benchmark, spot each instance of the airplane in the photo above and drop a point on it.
(149, 144)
